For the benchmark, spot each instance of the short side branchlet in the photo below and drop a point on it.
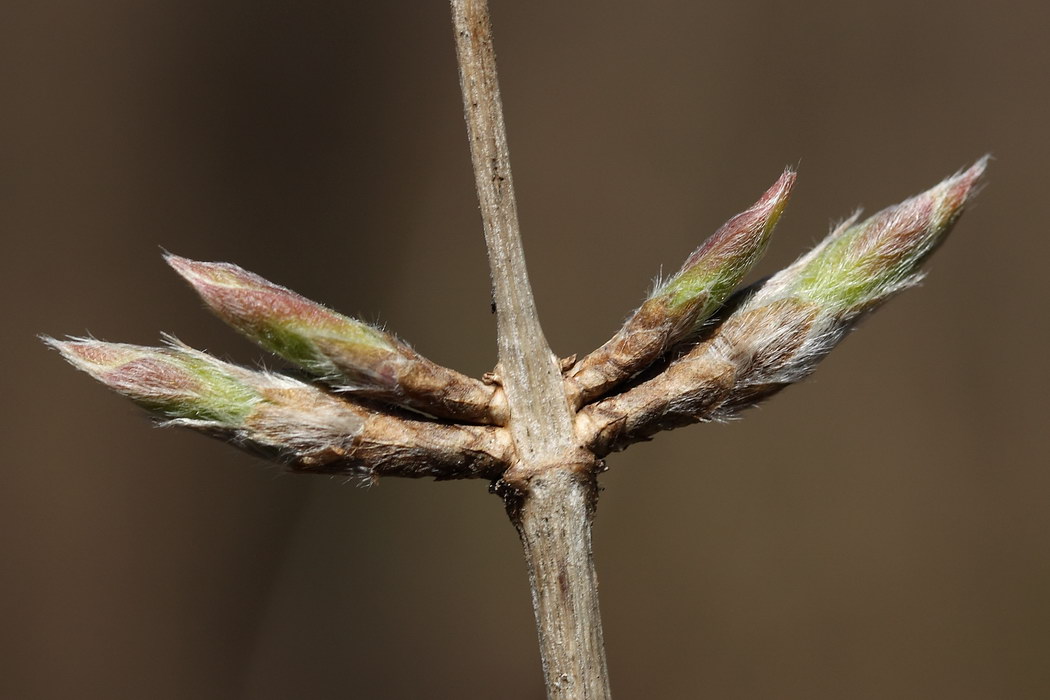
(304, 425)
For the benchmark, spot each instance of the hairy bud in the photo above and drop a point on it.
(174, 382)
(681, 304)
(861, 265)
(317, 339)
(854, 270)
(340, 350)
(714, 269)
(283, 418)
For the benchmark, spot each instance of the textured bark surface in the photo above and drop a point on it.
(554, 522)
(549, 487)
(528, 370)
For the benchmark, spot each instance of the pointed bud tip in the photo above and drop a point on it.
(964, 186)
(66, 348)
(190, 270)
(859, 265)
(92, 355)
(201, 275)
(747, 232)
(767, 210)
(177, 262)
(780, 189)
(53, 343)
(976, 171)
(773, 202)
(174, 382)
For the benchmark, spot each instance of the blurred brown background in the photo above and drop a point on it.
(881, 531)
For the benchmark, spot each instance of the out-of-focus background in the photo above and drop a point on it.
(881, 531)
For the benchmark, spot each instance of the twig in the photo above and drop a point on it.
(550, 488)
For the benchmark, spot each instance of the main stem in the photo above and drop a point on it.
(550, 490)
